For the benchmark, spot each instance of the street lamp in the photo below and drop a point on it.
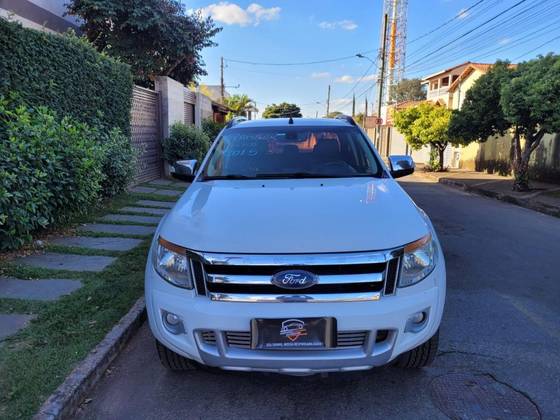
(366, 57)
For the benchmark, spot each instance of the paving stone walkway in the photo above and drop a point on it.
(118, 226)
(46, 289)
(152, 203)
(107, 244)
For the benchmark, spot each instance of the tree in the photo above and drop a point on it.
(408, 90)
(524, 101)
(156, 37)
(426, 124)
(333, 114)
(283, 110)
(359, 118)
(238, 105)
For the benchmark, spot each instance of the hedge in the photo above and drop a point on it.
(65, 74)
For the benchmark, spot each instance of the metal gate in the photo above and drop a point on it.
(189, 104)
(146, 133)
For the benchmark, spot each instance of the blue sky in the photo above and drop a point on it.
(294, 31)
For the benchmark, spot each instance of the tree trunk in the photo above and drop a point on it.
(521, 159)
(441, 151)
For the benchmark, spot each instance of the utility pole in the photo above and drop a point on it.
(329, 101)
(365, 115)
(353, 105)
(381, 80)
(222, 85)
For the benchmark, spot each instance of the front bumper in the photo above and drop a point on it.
(198, 313)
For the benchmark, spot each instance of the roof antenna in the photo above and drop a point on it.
(291, 120)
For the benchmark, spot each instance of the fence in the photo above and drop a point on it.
(146, 133)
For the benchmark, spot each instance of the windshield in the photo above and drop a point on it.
(291, 152)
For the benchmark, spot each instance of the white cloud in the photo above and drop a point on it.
(463, 13)
(262, 13)
(232, 14)
(349, 79)
(347, 25)
(344, 79)
(320, 75)
(504, 41)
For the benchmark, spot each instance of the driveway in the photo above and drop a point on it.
(499, 351)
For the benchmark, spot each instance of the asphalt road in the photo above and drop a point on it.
(502, 323)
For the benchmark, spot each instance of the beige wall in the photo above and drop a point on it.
(494, 156)
(458, 95)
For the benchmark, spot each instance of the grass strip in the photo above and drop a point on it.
(34, 362)
(77, 250)
(124, 222)
(153, 197)
(20, 306)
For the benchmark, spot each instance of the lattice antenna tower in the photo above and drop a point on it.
(395, 54)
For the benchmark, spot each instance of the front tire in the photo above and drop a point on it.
(173, 361)
(421, 356)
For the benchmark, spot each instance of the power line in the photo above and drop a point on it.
(457, 16)
(301, 63)
(468, 32)
(536, 48)
(537, 21)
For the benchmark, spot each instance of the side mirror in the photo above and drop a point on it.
(184, 170)
(401, 165)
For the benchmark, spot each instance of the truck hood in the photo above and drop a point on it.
(294, 216)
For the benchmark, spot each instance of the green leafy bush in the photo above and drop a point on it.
(212, 128)
(119, 162)
(185, 142)
(66, 74)
(50, 169)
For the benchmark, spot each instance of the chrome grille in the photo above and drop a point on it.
(343, 277)
(351, 338)
(240, 339)
(344, 339)
(209, 337)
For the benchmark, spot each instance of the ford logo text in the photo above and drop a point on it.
(294, 279)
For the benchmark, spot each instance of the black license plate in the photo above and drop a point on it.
(293, 333)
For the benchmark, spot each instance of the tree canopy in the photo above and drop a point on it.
(238, 105)
(283, 110)
(333, 114)
(408, 90)
(426, 124)
(156, 37)
(524, 101)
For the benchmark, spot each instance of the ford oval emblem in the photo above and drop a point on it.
(294, 279)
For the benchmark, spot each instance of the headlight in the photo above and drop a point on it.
(171, 263)
(418, 261)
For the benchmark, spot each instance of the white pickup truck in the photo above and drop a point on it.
(295, 251)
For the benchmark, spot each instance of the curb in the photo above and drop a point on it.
(66, 399)
(528, 204)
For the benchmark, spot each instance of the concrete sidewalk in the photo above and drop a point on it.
(543, 197)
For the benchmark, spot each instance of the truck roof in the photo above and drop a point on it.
(285, 122)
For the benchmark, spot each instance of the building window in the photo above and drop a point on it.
(434, 85)
(455, 77)
(445, 81)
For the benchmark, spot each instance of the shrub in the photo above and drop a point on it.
(185, 142)
(119, 161)
(66, 74)
(50, 170)
(212, 128)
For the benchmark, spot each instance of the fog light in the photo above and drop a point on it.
(172, 322)
(418, 318)
(172, 319)
(418, 321)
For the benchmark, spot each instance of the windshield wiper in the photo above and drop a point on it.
(222, 177)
